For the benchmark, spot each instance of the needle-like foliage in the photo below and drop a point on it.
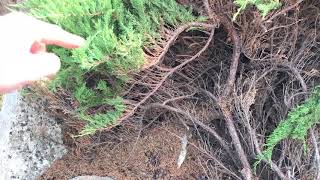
(264, 6)
(116, 32)
(296, 125)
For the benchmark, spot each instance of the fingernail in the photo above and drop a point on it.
(79, 41)
(38, 47)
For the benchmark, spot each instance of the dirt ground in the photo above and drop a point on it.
(150, 154)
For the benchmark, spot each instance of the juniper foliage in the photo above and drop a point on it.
(264, 6)
(116, 32)
(295, 126)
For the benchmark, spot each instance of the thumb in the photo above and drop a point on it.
(26, 69)
(37, 66)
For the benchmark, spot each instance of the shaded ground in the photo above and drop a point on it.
(124, 155)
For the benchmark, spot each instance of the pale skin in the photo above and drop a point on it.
(23, 56)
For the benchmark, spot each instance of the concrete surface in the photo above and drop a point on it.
(30, 140)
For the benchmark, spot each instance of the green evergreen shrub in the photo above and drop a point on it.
(264, 6)
(296, 125)
(117, 32)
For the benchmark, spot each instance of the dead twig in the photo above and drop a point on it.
(219, 163)
(246, 171)
(211, 14)
(157, 86)
(313, 137)
(235, 54)
(175, 36)
(283, 11)
(243, 107)
(316, 149)
(197, 122)
(224, 101)
(298, 76)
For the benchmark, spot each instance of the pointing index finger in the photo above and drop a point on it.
(55, 35)
(47, 33)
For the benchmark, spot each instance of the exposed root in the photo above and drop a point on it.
(197, 122)
(157, 55)
(153, 85)
(316, 152)
(224, 101)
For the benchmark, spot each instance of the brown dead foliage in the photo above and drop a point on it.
(226, 84)
(130, 155)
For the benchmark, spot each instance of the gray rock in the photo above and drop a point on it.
(30, 140)
(91, 178)
(5, 3)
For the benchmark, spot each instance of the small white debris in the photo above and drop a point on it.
(183, 152)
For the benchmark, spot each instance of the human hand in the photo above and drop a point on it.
(23, 56)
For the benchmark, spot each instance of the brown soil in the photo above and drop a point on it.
(150, 154)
